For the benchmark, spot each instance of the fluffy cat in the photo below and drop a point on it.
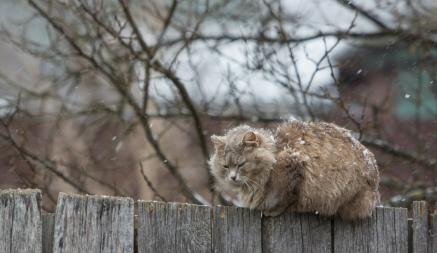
(303, 167)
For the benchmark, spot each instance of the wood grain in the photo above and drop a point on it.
(172, 227)
(433, 234)
(106, 224)
(420, 227)
(292, 232)
(236, 230)
(20, 221)
(93, 224)
(385, 231)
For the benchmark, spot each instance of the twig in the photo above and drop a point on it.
(156, 65)
(118, 84)
(46, 164)
(149, 183)
(397, 151)
(361, 11)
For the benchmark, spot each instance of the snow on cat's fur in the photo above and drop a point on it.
(303, 167)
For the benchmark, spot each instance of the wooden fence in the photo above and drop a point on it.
(108, 224)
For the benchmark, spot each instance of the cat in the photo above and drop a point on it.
(302, 167)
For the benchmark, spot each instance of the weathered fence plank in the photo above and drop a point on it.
(236, 230)
(93, 224)
(173, 227)
(106, 224)
(433, 234)
(20, 221)
(355, 236)
(48, 226)
(386, 231)
(401, 229)
(293, 232)
(420, 227)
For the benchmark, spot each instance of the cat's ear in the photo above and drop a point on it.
(218, 141)
(251, 139)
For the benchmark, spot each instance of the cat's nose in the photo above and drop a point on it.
(234, 177)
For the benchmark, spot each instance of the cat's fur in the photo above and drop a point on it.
(303, 167)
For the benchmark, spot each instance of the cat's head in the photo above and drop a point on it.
(243, 157)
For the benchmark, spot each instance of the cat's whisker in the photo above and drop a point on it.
(252, 182)
(250, 187)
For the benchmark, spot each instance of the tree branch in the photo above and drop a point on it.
(116, 82)
(348, 4)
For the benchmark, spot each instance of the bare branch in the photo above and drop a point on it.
(150, 184)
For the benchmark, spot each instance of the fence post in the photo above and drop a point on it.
(93, 224)
(420, 227)
(385, 231)
(20, 221)
(173, 227)
(106, 224)
(236, 230)
(433, 235)
(293, 232)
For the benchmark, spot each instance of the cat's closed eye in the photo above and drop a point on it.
(241, 164)
(226, 166)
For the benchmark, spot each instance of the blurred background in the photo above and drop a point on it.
(121, 97)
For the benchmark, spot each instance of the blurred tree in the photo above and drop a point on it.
(120, 97)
